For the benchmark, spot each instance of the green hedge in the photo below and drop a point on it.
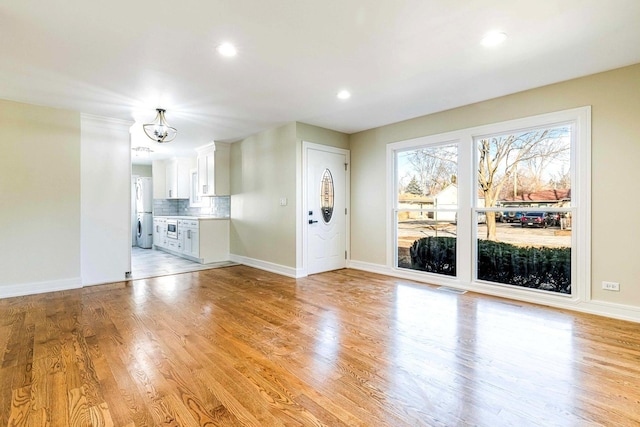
(539, 268)
(548, 269)
(434, 254)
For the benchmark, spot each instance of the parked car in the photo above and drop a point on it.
(553, 218)
(499, 216)
(512, 216)
(534, 219)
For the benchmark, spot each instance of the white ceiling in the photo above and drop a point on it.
(400, 59)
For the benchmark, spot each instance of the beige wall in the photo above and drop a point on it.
(40, 182)
(40, 195)
(322, 136)
(263, 170)
(615, 173)
(141, 170)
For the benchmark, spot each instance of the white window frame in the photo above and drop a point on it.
(467, 189)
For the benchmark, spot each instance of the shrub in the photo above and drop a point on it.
(548, 269)
(434, 254)
(539, 268)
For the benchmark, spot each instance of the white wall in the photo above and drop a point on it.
(39, 199)
(106, 199)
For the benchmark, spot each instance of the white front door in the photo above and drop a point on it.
(326, 215)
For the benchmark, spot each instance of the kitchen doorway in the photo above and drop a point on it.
(147, 261)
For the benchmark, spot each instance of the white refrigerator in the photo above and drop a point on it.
(144, 209)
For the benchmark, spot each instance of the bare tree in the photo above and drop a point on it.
(561, 179)
(499, 157)
(522, 181)
(537, 166)
(434, 167)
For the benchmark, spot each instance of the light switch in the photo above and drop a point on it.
(283, 201)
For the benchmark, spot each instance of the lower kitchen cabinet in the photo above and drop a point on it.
(174, 245)
(159, 232)
(188, 231)
(203, 240)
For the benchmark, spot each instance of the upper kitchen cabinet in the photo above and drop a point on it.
(206, 170)
(176, 183)
(178, 177)
(213, 169)
(159, 173)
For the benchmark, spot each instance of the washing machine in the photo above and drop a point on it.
(145, 230)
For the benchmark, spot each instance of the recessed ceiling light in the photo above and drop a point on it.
(493, 38)
(344, 94)
(227, 49)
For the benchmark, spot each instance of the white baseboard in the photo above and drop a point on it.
(600, 308)
(267, 266)
(8, 291)
(372, 268)
(610, 309)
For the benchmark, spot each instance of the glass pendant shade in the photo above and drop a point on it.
(159, 130)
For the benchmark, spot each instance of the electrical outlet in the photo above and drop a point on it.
(611, 286)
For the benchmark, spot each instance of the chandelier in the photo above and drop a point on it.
(159, 130)
(142, 152)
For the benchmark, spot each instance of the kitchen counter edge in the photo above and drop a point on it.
(198, 218)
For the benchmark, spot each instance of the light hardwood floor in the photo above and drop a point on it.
(237, 346)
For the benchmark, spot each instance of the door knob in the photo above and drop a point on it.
(312, 221)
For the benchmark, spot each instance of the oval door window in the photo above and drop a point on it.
(326, 196)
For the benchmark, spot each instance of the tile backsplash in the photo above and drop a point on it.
(220, 207)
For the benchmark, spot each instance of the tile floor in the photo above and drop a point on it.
(152, 262)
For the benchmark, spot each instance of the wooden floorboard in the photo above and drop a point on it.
(242, 347)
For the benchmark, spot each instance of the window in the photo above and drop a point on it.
(426, 208)
(525, 176)
(502, 207)
(326, 196)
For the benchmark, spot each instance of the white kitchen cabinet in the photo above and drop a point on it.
(189, 233)
(195, 199)
(160, 232)
(213, 169)
(202, 240)
(159, 173)
(174, 245)
(206, 170)
(223, 162)
(214, 240)
(178, 177)
(192, 243)
(205, 239)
